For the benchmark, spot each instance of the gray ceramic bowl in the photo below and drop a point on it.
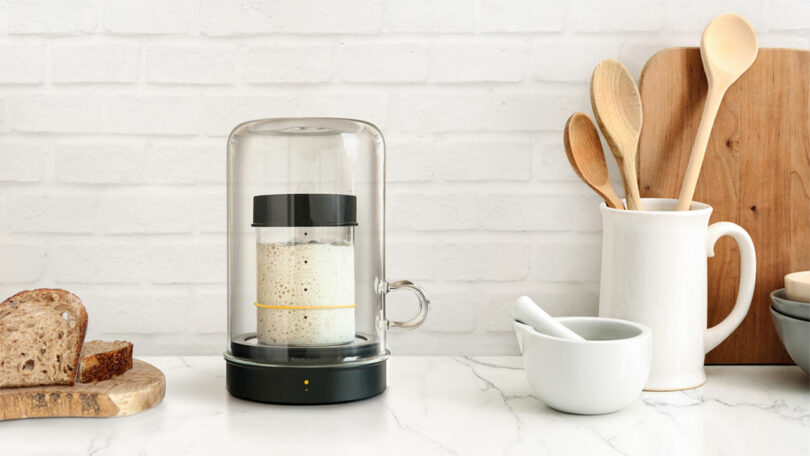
(790, 308)
(795, 336)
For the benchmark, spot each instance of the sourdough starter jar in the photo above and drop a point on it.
(305, 268)
(307, 288)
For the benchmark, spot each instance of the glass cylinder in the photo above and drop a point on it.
(306, 261)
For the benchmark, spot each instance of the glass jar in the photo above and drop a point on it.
(306, 262)
(305, 268)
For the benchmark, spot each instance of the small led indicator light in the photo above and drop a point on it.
(306, 382)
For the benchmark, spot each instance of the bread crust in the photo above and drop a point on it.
(81, 327)
(106, 364)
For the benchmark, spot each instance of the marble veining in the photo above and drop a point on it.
(441, 405)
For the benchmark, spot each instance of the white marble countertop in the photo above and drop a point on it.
(440, 405)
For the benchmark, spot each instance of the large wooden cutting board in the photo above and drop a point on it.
(138, 389)
(756, 173)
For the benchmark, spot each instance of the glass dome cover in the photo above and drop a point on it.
(306, 269)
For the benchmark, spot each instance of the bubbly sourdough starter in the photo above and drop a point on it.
(305, 275)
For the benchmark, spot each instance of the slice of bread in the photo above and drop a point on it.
(102, 360)
(41, 337)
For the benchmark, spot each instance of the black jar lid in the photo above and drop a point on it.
(305, 209)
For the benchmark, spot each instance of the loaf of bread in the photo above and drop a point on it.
(41, 337)
(103, 360)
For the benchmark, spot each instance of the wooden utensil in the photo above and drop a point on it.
(138, 389)
(728, 48)
(756, 174)
(584, 151)
(617, 106)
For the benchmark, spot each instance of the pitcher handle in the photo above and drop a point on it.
(424, 304)
(748, 272)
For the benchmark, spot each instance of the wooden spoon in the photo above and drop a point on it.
(617, 106)
(584, 151)
(728, 48)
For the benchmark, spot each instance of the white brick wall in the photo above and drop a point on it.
(108, 62)
(115, 114)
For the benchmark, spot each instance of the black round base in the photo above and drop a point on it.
(304, 385)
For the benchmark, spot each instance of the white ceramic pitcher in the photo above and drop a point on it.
(654, 273)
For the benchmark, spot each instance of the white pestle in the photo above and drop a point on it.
(527, 311)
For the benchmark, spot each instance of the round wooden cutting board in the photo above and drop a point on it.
(139, 389)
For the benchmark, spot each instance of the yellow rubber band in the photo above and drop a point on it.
(263, 306)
